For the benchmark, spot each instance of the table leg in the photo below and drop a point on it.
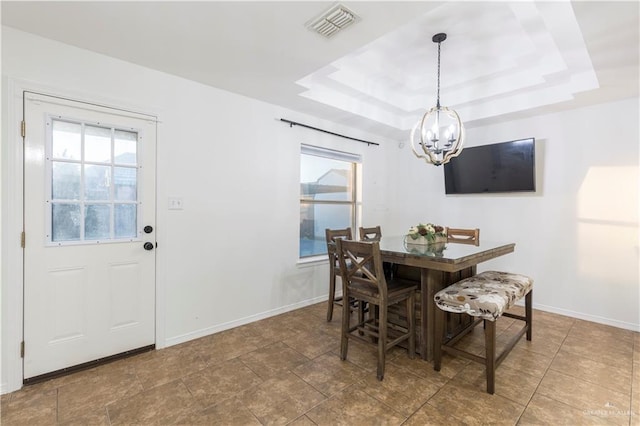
(423, 342)
(430, 283)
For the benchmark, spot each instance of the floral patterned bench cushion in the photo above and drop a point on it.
(486, 295)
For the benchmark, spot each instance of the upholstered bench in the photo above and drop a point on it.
(486, 296)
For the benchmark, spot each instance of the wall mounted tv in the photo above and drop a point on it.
(499, 167)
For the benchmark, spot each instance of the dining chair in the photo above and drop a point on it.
(465, 236)
(370, 234)
(363, 280)
(331, 236)
(485, 297)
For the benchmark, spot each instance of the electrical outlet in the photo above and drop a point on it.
(175, 203)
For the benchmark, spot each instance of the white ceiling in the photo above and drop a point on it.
(501, 60)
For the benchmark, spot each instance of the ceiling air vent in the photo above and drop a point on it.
(333, 20)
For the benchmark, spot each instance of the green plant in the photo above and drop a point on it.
(428, 230)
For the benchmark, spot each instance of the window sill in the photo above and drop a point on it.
(312, 261)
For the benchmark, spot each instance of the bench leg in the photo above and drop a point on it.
(437, 338)
(490, 354)
(528, 299)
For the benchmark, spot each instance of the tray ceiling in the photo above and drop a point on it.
(501, 60)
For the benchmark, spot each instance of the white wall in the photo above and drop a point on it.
(577, 236)
(236, 168)
(231, 255)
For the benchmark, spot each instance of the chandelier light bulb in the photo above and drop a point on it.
(450, 135)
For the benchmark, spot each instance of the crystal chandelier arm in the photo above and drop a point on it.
(426, 154)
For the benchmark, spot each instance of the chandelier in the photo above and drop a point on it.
(438, 135)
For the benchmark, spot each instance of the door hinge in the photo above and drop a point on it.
(22, 239)
(23, 128)
(22, 349)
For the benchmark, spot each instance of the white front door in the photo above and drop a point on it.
(89, 222)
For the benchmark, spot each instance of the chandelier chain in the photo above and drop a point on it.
(438, 93)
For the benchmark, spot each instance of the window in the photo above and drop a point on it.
(93, 171)
(328, 196)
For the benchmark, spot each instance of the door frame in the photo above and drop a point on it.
(12, 223)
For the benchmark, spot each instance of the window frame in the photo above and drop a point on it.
(355, 203)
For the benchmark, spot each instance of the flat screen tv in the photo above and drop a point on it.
(499, 167)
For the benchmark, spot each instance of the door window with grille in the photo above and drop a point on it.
(93, 181)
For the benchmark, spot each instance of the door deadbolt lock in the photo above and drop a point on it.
(148, 229)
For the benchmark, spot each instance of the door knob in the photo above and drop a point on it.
(148, 246)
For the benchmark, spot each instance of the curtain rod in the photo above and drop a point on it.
(293, 123)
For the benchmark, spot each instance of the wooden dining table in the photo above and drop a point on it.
(438, 266)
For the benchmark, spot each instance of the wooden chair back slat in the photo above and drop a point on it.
(370, 234)
(361, 264)
(461, 235)
(331, 236)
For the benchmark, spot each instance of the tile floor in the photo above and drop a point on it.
(286, 370)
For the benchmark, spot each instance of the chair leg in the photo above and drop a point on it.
(332, 293)
(346, 324)
(375, 316)
(360, 304)
(490, 354)
(382, 341)
(528, 313)
(437, 338)
(411, 324)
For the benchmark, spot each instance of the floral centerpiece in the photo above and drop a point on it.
(426, 234)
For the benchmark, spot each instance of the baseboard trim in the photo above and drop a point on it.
(241, 321)
(587, 317)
